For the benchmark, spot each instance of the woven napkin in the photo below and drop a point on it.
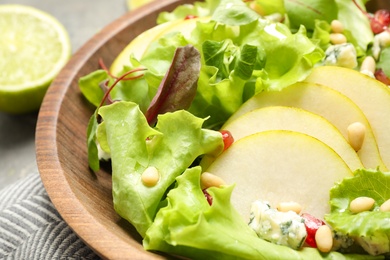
(31, 227)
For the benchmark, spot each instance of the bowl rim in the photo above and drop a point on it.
(74, 213)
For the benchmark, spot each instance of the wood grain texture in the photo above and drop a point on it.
(84, 198)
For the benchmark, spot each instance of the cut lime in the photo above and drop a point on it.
(34, 47)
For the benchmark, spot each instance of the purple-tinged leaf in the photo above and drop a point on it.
(178, 88)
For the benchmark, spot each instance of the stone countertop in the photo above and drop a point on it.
(82, 19)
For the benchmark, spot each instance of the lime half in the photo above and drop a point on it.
(34, 47)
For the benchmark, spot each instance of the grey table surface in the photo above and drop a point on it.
(82, 19)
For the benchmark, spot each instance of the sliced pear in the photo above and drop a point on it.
(280, 166)
(370, 95)
(141, 43)
(338, 109)
(294, 119)
(136, 47)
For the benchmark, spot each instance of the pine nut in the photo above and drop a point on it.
(208, 180)
(356, 132)
(150, 176)
(336, 26)
(385, 207)
(361, 204)
(385, 39)
(337, 38)
(324, 239)
(289, 206)
(368, 65)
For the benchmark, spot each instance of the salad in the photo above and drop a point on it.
(160, 118)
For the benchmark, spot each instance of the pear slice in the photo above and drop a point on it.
(136, 47)
(294, 119)
(370, 95)
(280, 166)
(338, 109)
(139, 45)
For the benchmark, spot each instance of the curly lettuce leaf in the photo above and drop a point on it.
(321, 33)
(256, 57)
(370, 183)
(289, 57)
(215, 99)
(188, 226)
(252, 57)
(172, 146)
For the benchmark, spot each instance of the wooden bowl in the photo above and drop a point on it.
(84, 198)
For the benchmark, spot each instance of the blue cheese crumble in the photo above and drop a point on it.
(342, 55)
(376, 244)
(341, 242)
(281, 228)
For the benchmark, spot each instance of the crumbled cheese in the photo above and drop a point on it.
(341, 242)
(342, 55)
(282, 228)
(375, 244)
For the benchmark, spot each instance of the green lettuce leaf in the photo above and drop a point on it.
(321, 33)
(188, 226)
(384, 61)
(289, 57)
(256, 57)
(93, 157)
(356, 25)
(305, 12)
(246, 61)
(238, 60)
(89, 86)
(136, 90)
(266, 7)
(234, 13)
(369, 183)
(172, 146)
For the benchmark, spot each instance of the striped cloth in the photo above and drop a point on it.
(31, 228)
